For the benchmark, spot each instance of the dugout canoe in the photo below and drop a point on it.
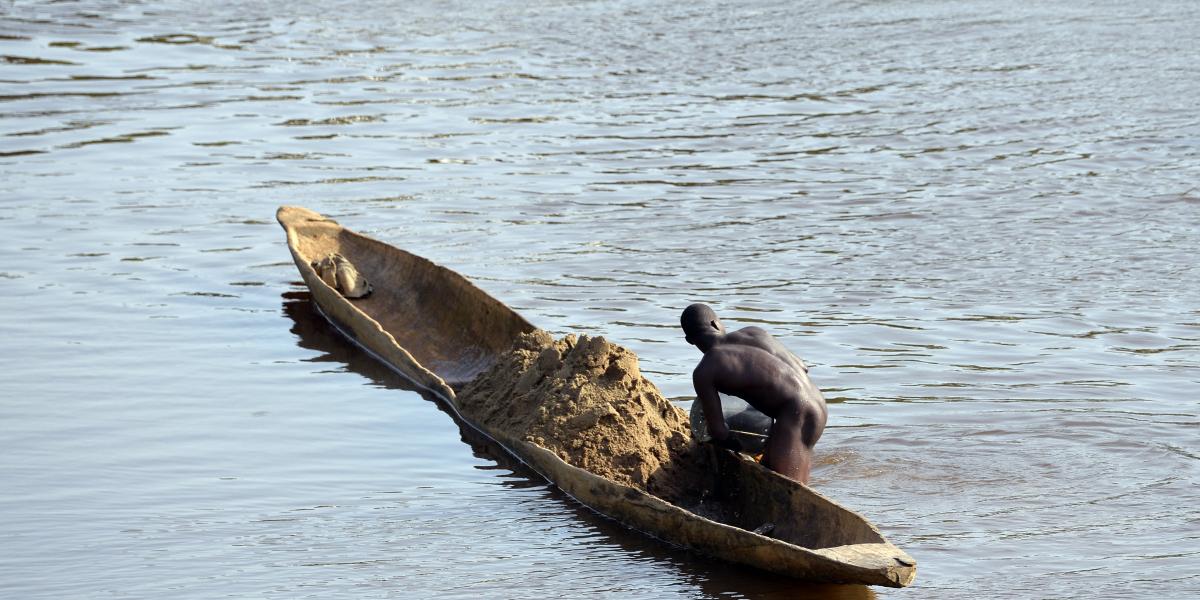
(439, 330)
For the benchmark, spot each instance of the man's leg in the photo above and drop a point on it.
(786, 453)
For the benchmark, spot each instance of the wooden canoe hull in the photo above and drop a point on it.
(437, 329)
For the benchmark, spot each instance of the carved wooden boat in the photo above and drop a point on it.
(439, 330)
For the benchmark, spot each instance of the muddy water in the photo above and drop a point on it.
(977, 221)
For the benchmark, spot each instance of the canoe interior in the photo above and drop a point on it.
(747, 495)
(450, 327)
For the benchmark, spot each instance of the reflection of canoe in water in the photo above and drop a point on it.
(439, 330)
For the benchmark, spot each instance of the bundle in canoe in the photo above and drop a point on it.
(442, 332)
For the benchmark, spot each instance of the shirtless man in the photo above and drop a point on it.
(752, 365)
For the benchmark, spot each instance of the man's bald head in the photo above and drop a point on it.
(700, 325)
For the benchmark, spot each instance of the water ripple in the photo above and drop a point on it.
(972, 219)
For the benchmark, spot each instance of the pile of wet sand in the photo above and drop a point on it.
(586, 400)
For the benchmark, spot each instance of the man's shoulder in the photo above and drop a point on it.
(752, 332)
(758, 339)
(725, 353)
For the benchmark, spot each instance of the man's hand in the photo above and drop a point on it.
(729, 443)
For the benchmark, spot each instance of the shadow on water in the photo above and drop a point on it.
(715, 578)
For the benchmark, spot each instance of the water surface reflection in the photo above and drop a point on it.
(976, 220)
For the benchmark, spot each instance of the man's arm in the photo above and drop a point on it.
(710, 402)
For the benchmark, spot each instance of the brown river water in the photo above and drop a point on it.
(978, 221)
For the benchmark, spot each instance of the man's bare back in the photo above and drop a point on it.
(753, 366)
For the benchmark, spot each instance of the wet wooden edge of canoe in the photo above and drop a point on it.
(870, 563)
